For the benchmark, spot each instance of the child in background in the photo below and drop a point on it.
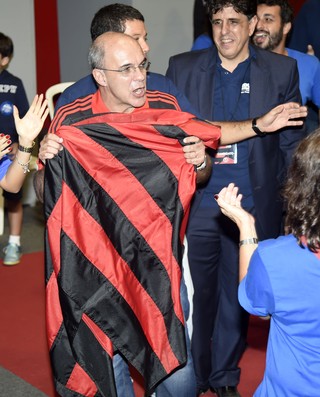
(12, 93)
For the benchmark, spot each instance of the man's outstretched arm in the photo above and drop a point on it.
(286, 115)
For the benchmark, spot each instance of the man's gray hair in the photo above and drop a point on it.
(96, 55)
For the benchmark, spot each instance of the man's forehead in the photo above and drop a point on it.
(135, 27)
(120, 41)
(228, 13)
(126, 55)
(268, 10)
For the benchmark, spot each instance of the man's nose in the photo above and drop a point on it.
(225, 27)
(260, 24)
(145, 47)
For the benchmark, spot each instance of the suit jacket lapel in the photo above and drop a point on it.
(205, 84)
(259, 90)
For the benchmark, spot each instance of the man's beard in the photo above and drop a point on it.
(274, 40)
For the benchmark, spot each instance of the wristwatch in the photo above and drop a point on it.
(203, 165)
(256, 129)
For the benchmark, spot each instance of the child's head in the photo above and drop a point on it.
(6, 50)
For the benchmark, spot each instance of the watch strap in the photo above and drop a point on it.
(256, 129)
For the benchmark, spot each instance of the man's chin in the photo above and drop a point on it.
(261, 41)
(139, 102)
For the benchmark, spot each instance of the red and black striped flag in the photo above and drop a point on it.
(116, 203)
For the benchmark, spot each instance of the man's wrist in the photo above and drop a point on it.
(26, 148)
(256, 129)
(26, 143)
(203, 165)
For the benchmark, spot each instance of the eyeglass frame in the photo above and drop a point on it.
(129, 69)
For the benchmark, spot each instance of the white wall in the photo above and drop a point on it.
(17, 22)
(170, 29)
(169, 25)
(74, 20)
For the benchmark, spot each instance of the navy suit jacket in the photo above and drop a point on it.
(274, 80)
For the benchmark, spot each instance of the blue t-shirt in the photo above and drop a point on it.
(155, 81)
(4, 165)
(12, 93)
(201, 42)
(283, 281)
(230, 162)
(309, 76)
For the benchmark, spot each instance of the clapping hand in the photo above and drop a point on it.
(229, 201)
(29, 127)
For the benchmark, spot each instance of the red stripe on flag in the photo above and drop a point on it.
(101, 253)
(115, 179)
(208, 133)
(80, 382)
(54, 316)
(54, 225)
(79, 105)
(101, 337)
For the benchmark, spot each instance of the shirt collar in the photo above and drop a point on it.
(252, 54)
(98, 106)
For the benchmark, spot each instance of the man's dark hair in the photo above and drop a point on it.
(245, 7)
(112, 18)
(286, 12)
(6, 46)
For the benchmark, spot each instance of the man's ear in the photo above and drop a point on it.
(252, 25)
(287, 27)
(99, 77)
(5, 61)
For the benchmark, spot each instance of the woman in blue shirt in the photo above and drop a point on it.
(280, 278)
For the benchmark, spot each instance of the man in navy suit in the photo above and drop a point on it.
(232, 81)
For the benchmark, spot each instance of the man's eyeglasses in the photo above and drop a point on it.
(130, 69)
